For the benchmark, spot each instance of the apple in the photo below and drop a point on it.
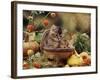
(30, 27)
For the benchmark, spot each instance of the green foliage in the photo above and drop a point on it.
(82, 43)
(38, 37)
(39, 27)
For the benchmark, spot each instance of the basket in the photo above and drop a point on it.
(58, 52)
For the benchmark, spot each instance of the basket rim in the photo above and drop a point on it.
(59, 49)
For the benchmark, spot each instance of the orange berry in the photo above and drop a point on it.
(46, 22)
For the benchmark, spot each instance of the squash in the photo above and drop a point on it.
(75, 60)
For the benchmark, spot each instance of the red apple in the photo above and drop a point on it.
(30, 28)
